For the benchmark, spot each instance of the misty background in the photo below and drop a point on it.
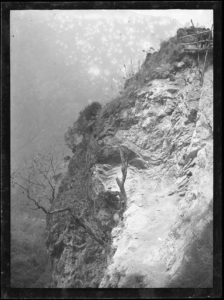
(61, 61)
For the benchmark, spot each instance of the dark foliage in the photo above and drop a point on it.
(83, 126)
(90, 111)
(161, 64)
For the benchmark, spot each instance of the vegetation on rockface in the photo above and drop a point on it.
(163, 63)
(83, 126)
(75, 192)
(91, 231)
(94, 221)
(87, 117)
(131, 69)
(79, 247)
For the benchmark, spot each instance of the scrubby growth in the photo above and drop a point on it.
(131, 69)
(161, 64)
(83, 126)
(89, 113)
(91, 215)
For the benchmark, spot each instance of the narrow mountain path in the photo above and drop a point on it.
(147, 222)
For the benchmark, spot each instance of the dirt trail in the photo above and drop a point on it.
(147, 222)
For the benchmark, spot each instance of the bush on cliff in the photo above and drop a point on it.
(160, 64)
(84, 125)
(89, 112)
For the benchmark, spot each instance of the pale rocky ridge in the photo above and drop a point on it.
(164, 238)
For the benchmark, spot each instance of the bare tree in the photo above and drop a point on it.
(39, 182)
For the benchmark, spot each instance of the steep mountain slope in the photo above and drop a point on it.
(170, 198)
(163, 122)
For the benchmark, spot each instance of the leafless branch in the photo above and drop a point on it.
(120, 183)
(27, 191)
(32, 182)
(78, 219)
(36, 180)
(36, 192)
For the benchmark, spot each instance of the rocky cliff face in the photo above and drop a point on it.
(164, 236)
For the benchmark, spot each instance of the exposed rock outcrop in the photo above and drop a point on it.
(164, 236)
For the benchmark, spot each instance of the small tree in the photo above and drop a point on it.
(131, 69)
(38, 180)
(38, 183)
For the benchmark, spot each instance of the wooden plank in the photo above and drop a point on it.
(197, 49)
(203, 72)
(191, 43)
(181, 37)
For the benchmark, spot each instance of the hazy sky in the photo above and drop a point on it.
(63, 60)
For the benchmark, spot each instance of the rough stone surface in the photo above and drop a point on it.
(164, 238)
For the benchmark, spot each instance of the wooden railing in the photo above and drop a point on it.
(200, 45)
(197, 33)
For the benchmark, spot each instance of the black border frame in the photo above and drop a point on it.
(28, 293)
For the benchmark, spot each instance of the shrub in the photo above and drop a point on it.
(90, 111)
(84, 125)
